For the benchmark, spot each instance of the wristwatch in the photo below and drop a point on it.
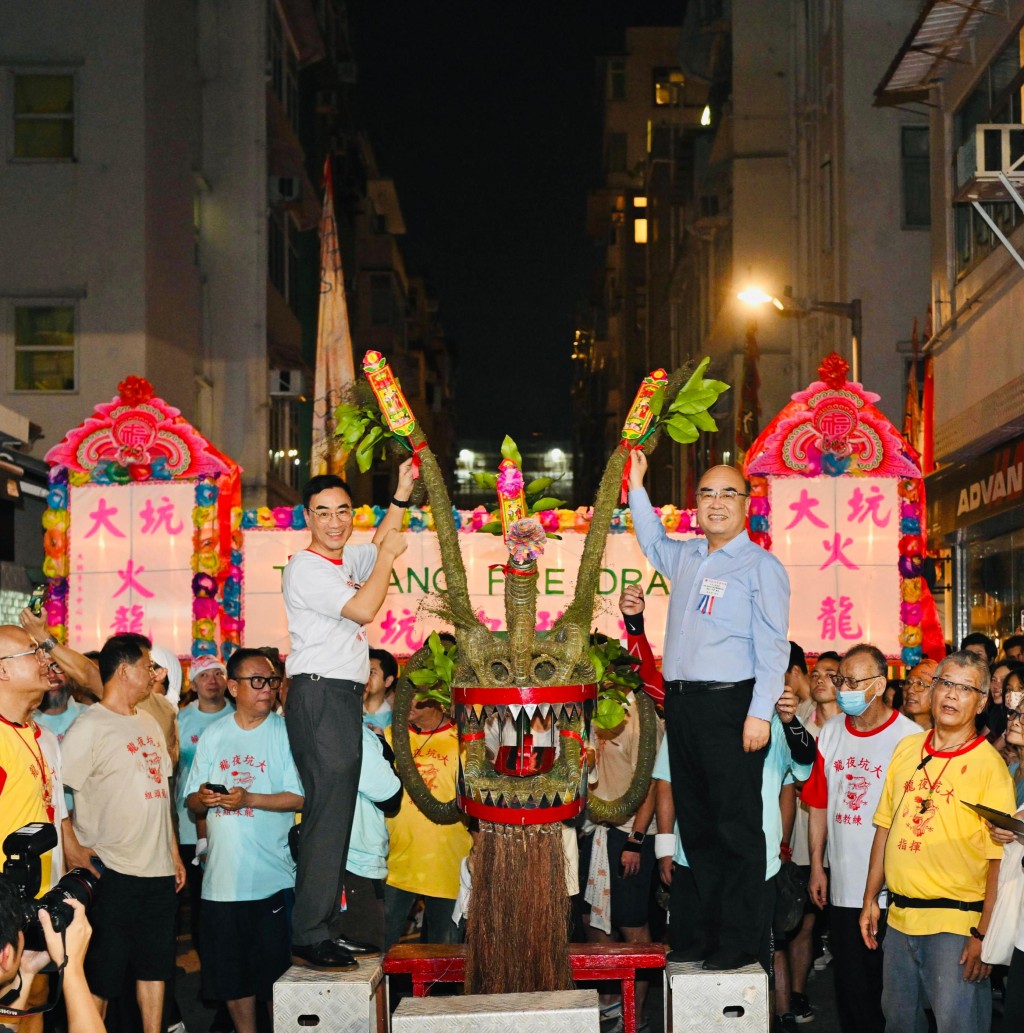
(48, 644)
(637, 837)
(976, 934)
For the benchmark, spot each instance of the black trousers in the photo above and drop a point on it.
(324, 719)
(716, 788)
(858, 972)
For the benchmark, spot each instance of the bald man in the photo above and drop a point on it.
(726, 656)
(30, 780)
(917, 693)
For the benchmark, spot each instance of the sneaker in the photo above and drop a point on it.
(178, 1027)
(823, 960)
(800, 1008)
(787, 1023)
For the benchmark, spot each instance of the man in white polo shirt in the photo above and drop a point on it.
(331, 591)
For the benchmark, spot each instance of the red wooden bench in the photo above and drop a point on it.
(430, 963)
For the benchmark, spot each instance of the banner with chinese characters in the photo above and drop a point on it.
(402, 629)
(131, 564)
(838, 538)
(837, 495)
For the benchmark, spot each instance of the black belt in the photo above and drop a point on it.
(688, 688)
(331, 683)
(956, 905)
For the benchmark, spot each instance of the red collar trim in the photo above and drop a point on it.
(972, 745)
(336, 563)
(36, 730)
(874, 731)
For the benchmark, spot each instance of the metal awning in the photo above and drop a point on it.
(943, 31)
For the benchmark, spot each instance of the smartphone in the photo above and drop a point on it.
(36, 599)
(216, 787)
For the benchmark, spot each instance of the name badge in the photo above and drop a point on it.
(713, 587)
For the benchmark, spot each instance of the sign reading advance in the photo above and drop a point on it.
(402, 628)
(971, 492)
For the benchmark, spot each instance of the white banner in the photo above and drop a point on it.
(131, 563)
(838, 537)
(401, 628)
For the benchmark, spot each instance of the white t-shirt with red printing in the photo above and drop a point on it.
(847, 781)
(315, 590)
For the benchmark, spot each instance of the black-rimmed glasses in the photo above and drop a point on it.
(260, 681)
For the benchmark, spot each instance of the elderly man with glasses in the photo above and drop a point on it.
(726, 656)
(854, 750)
(939, 861)
(332, 590)
(30, 775)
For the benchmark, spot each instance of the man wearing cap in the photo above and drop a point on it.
(208, 677)
(332, 590)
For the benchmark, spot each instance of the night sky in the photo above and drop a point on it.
(487, 116)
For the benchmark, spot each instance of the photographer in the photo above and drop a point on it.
(18, 967)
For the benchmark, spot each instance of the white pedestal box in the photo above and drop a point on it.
(557, 1011)
(701, 1001)
(309, 1000)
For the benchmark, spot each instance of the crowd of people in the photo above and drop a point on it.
(265, 795)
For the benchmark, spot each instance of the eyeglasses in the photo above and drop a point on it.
(259, 681)
(38, 650)
(728, 494)
(917, 683)
(323, 516)
(1014, 715)
(955, 687)
(839, 680)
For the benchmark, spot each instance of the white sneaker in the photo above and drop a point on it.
(178, 1027)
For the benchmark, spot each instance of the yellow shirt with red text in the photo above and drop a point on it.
(424, 858)
(26, 786)
(937, 847)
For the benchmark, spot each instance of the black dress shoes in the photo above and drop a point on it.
(356, 947)
(727, 960)
(690, 954)
(325, 954)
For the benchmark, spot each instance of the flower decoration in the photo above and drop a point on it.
(525, 540)
(510, 480)
(134, 391)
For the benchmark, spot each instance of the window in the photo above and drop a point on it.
(617, 152)
(916, 170)
(282, 66)
(668, 87)
(997, 100)
(44, 116)
(283, 255)
(44, 348)
(617, 80)
(381, 300)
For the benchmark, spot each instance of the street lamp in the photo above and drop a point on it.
(790, 306)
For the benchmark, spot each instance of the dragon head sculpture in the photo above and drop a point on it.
(524, 700)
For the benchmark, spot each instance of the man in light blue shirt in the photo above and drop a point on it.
(244, 782)
(726, 655)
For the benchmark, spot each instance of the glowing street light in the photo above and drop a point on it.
(755, 296)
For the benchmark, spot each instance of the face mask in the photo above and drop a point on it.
(854, 702)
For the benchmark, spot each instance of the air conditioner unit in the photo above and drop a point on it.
(989, 150)
(286, 383)
(284, 188)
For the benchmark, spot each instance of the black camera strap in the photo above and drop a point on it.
(56, 986)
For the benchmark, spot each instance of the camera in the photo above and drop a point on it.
(23, 848)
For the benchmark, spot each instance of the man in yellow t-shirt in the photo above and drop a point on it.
(29, 779)
(424, 858)
(938, 860)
